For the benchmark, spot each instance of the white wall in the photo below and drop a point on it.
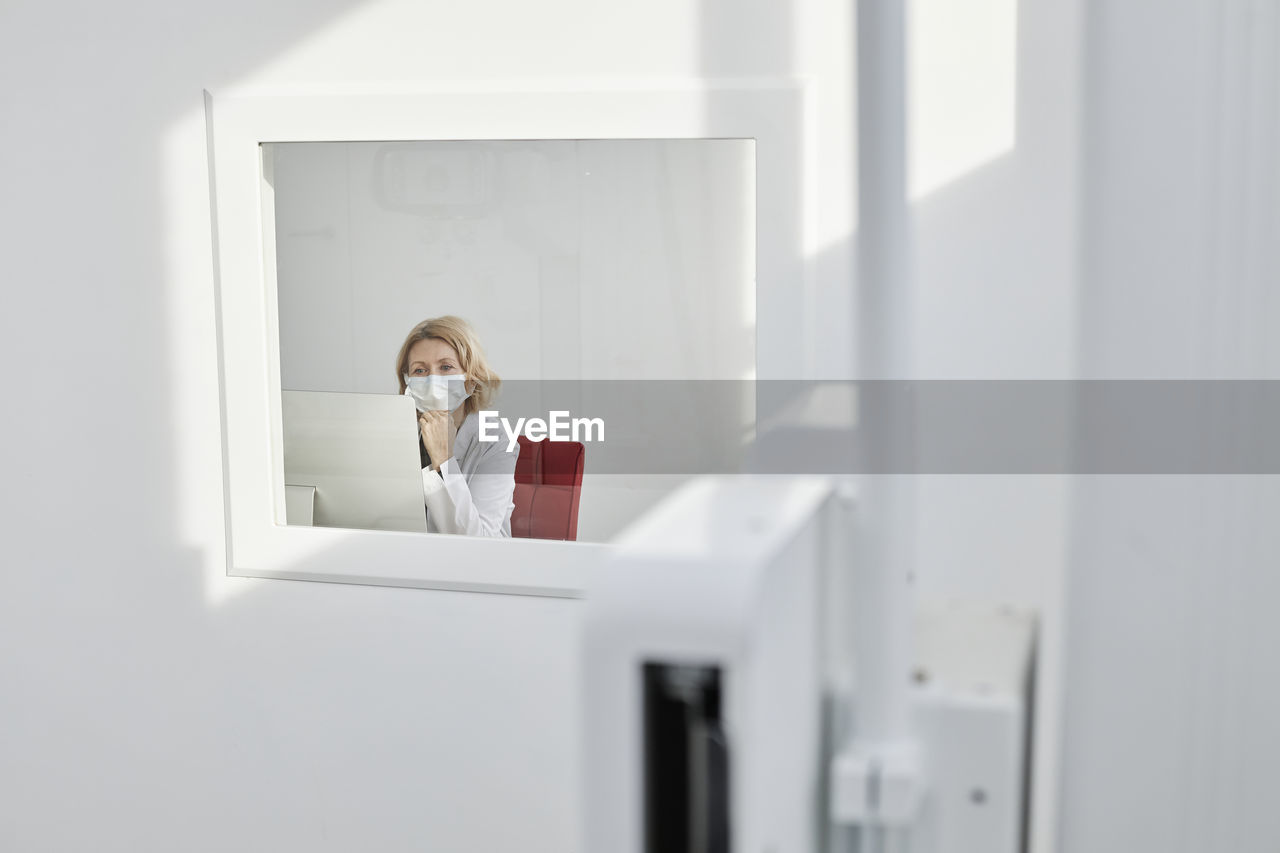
(573, 259)
(1171, 736)
(150, 702)
(995, 299)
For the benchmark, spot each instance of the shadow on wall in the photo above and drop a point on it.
(968, 110)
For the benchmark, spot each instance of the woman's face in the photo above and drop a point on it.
(433, 357)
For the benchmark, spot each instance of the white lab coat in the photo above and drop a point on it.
(472, 492)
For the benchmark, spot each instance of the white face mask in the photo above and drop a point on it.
(437, 393)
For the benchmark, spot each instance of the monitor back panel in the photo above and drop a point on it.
(360, 452)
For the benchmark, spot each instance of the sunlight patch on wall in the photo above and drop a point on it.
(436, 44)
(191, 353)
(962, 72)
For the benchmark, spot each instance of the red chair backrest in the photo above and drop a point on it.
(548, 485)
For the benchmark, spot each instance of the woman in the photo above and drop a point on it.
(467, 484)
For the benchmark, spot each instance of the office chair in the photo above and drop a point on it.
(548, 486)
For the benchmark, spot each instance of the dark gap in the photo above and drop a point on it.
(686, 763)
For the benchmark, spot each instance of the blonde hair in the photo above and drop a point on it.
(457, 333)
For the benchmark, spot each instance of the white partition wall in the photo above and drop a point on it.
(1171, 740)
(152, 703)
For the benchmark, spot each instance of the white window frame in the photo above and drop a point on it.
(259, 544)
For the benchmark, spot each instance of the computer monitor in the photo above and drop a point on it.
(360, 454)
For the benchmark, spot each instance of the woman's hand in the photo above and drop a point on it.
(438, 431)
